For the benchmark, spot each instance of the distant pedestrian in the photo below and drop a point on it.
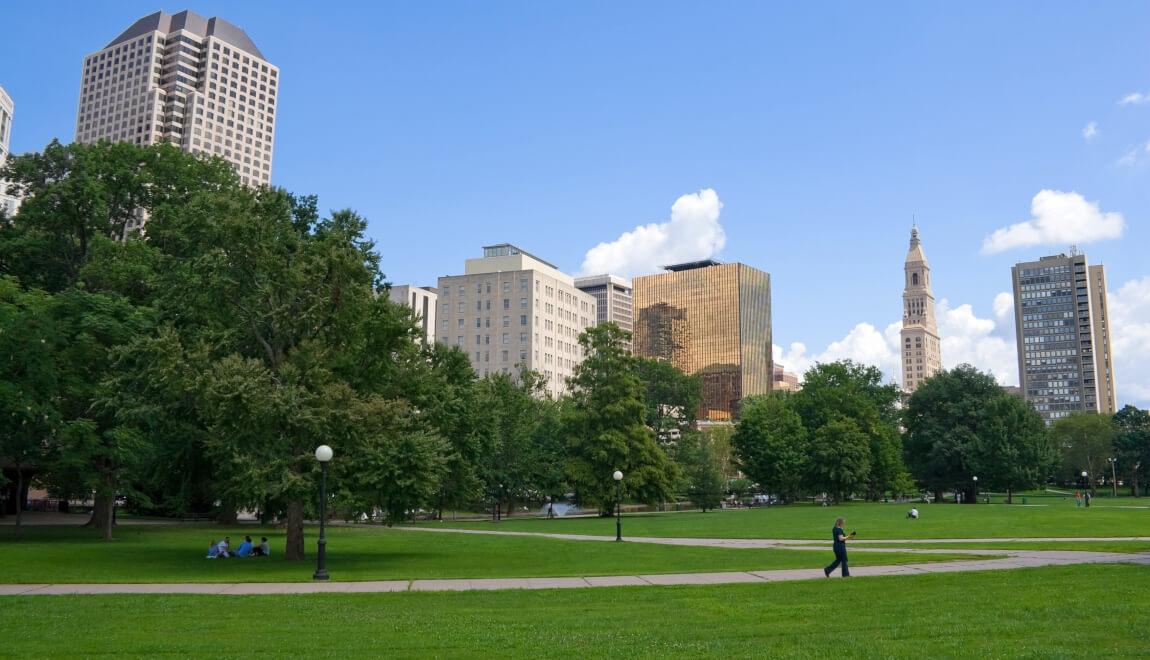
(840, 538)
(1077, 499)
(912, 514)
(1086, 496)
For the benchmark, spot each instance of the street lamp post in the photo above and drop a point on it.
(618, 505)
(1085, 488)
(323, 454)
(975, 489)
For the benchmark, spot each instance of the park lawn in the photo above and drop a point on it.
(176, 553)
(1034, 613)
(872, 521)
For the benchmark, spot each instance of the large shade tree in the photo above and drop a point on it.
(1132, 445)
(604, 428)
(772, 446)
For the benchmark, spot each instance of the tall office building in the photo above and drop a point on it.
(921, 348)
(198, 83)
(612, 300)
(510, 311)
(422, 301)
(9, 203)
(785, 381)
(1060, 316)
(709, 319)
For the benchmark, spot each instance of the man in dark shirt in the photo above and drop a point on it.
(840, 538)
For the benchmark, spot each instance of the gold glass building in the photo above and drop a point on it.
(709, 319)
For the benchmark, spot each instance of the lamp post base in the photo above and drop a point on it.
(320, 575)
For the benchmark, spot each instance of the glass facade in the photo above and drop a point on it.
(713, 320)
(1064, 364)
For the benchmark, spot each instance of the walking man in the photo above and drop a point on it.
(840, 546)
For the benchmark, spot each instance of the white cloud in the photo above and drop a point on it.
(1090, 130)
(1130, 341)
(1058, 218)
(1004, 306)
(1136, 98)
(692, 233)
(966, 338)
(991, 346)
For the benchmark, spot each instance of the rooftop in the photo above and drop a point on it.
(507, 250)
(692, 265)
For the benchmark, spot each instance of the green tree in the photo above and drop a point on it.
(1085, 440)
(672, 397)
(1012, 450)
(28, 382)
(699, 462)
(847, 390)
(772, 446)
(603, 426)
(839, 459)
(1132, 445)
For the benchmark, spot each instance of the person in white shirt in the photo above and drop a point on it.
(224, 548)
(912, 514)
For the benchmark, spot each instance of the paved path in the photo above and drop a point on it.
(1003, 560)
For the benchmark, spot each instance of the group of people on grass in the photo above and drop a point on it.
(248, 548)
(1081, 498)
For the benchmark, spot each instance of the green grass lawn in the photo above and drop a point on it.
(174, 553)
(1054, 612)
(871, 520)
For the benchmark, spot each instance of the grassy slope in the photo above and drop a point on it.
(176, 554)
(1025, 613)
(873, 521)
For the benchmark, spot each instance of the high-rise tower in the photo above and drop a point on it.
(198, 83)
(921, 349)
(8, 202)
(1064, 361)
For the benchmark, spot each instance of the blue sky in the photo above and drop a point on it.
(822, 129)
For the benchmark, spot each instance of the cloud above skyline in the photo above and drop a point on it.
(1058, 218)
(966, 338)
(691, 233)
(1135, 98)
(1090, 130)
(990, 344)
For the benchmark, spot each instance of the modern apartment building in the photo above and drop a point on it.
(9, 203)
(198, 83)
(1063, 329)
(710, 319)
(921, 346)
(612, 300)
(422, 301)
(510, 311)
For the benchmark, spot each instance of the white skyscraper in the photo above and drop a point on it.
(921, 347)
(198, 83)
(8, 203)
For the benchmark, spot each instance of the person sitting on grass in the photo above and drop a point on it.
(912, 514)
(213, 550)
(262, 550)
(245, 548)
(224, 547)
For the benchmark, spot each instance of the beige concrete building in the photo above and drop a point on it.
(785, 381)
(713, 320)
(510, 311)
(921, 347)
(198, 83)
(9, 203)
(612, 300)
(422, 300)
(1063, 331)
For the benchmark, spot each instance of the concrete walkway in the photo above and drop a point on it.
(1016, 559)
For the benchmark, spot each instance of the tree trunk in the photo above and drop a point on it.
(101, 519)
(938, 496)
(227, 515)
(1009, 496)
(294, 549)
(19, 496)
